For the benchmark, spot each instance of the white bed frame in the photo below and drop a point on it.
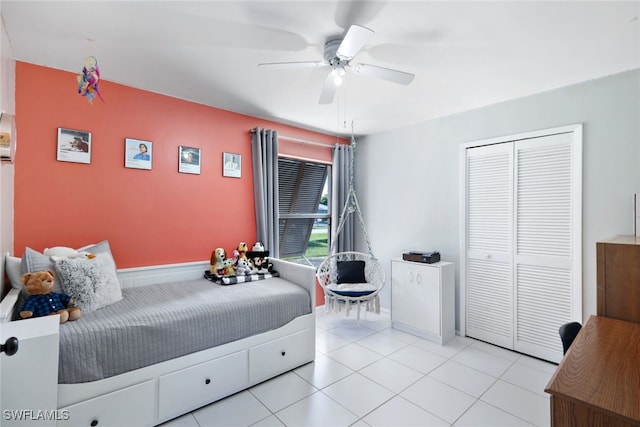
(160, 392)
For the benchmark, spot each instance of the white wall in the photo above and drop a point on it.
(7, 105)
(408, 186)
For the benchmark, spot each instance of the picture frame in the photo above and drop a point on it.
(189, 159)
(74, 146)
(138, 154)
(232, 165)
(7, 137)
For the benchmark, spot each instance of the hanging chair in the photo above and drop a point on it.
(351, 278)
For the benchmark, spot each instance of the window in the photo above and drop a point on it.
(304, 212)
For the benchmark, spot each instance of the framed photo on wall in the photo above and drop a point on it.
(138, 154)
(74, 146)
(7, 137)
(232, 165)
(188, 160)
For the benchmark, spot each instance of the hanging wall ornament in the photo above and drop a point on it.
(89, 79)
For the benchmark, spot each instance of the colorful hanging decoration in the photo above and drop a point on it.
(88, 80)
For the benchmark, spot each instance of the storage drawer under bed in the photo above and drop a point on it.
(280, 355)
(192, 387)
(131, 406)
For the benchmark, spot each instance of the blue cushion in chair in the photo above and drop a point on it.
(351, 272)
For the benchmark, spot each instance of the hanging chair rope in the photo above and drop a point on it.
(327, 273)
(351, 205)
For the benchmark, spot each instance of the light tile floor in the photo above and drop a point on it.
(373, 375)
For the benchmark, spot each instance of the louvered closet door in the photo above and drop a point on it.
(489, 212)
(547, 243)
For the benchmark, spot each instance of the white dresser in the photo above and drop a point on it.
(423, 299)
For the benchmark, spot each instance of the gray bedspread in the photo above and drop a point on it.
(152, 324)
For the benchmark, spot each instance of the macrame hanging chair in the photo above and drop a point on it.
(351, 278)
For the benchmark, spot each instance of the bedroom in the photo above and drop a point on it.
(607, 106)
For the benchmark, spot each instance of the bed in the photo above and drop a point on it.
(176, 342)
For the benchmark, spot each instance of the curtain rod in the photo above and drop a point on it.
(305, 141)
(300, 140)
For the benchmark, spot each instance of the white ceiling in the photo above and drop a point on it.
(465, 55)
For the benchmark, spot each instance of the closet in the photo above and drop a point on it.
(521, 239)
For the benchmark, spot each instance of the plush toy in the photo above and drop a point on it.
(242, 267)
(217, 261)
(261, 264)
(42, 301)
(59, 252)
(242, 251)
(259, 260)
(229, 267)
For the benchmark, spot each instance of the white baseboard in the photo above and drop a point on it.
(156, 274)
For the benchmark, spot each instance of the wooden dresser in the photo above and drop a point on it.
(618, 280)
(598, 382)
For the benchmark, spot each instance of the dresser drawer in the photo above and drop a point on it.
(280, 355)
(198, 385)
(131, 406)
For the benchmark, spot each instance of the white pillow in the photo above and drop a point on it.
(12, 267)
(92, 283)
(33, 261)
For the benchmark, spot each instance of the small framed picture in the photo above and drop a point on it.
(74, 146)
(232, 165)
(188, 160)
(138, 154)
(7, 137)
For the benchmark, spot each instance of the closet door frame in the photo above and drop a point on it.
(576, 131)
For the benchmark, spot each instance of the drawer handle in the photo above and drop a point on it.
(207, 381)
(10, 346)
(283, 353)
(94, 423)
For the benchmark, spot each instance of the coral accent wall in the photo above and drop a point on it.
(151, 217)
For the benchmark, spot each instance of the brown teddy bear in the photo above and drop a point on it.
(42, 301)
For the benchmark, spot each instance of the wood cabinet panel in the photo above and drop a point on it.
(598, 381)
(618, 278)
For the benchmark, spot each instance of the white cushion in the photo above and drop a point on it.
(92, 283)
(12, 267)
(352, 289)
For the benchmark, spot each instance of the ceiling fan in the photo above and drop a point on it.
(338, 54)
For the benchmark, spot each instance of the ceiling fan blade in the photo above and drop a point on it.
(305, 64)
(328, 90)
(394, 76)
(359, 12)
(353, 41)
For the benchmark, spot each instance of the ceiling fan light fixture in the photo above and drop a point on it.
(338, 53)
(337, 73)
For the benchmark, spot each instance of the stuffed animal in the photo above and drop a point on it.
(229, 268)
(242, 267)
(42, 301)
(59, 252)
(259, 260)
(242, 251)
(261, 264)
(217, 261)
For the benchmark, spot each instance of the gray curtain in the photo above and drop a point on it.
(264, 155)
(340, 180)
